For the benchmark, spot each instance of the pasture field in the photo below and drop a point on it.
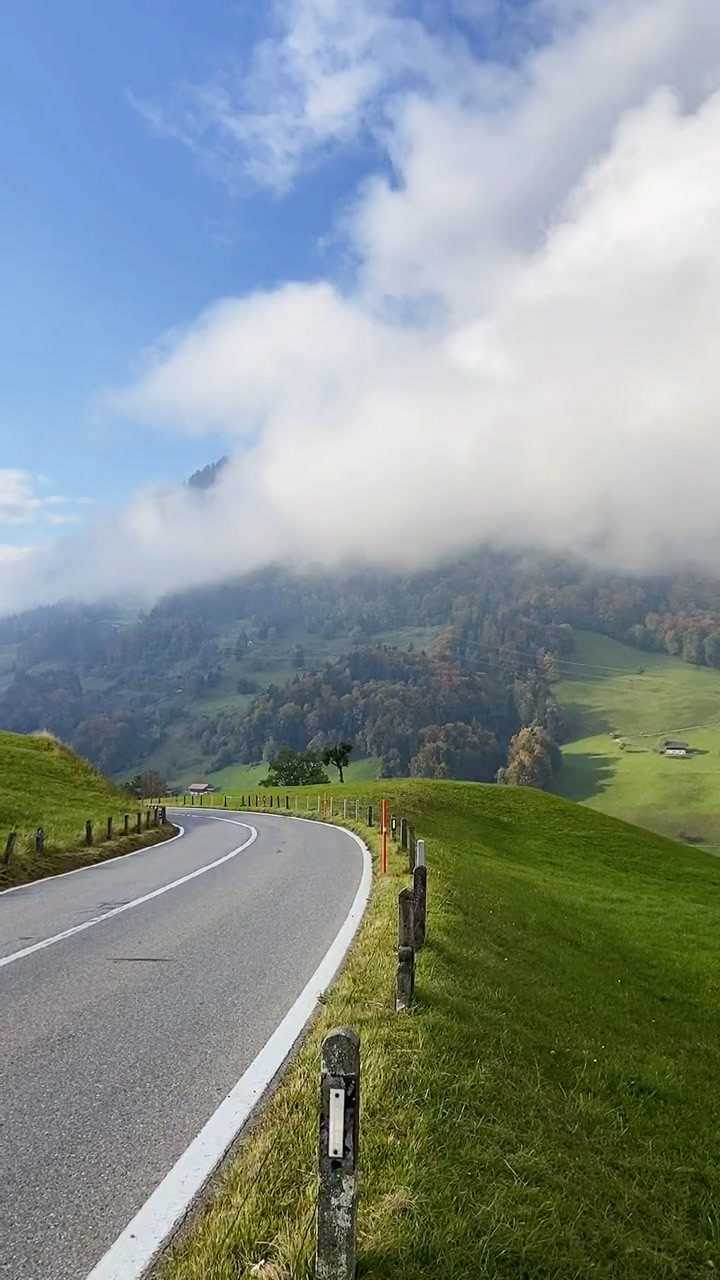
(606, 693)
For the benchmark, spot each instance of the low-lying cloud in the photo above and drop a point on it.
(528, 353)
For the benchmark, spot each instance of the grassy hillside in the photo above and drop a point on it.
(44, 784)
(550, 1109)
(607, 694)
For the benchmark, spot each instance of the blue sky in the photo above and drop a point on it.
(112, 234)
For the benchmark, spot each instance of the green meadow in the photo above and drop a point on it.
(606, 693)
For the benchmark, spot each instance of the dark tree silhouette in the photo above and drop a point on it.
(339, 755)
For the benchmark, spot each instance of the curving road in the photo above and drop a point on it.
(133, 996)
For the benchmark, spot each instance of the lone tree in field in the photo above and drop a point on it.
(339, 755)
(145, 785)
(295, 769)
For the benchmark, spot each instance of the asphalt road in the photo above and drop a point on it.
(120, 1039)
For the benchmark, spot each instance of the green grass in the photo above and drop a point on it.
(239, 778)
(550, 1110)
(670, 698)
(44, 784)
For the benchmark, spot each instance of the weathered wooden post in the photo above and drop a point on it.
(126, 824)
(287, 802)
(39, 840)
(420, 895)
(109, 828)
(184, 801)
(10, 847)
(88, 832)
(147, 818)
(336, 1241)
(163, 814)
(138, 822)
(370, 815)
(225, 803)
(411, 846)
(192, 800)
(403, 833)
(405, 982)
(201, 802)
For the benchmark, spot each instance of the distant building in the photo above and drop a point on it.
(674, 744)
(200, 788)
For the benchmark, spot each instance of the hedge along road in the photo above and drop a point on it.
(145, 1002)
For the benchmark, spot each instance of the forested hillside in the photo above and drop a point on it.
(433, 672)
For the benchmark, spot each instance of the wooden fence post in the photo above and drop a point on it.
(109, 828)
(287, 802)
(88, 832)
(405, 982)
(403, 833)
(370, 815)
(411, 846)
(225, 803)
(40, 841)
(10, 847)
(126, 824)
(336, 1241)
(420, 901)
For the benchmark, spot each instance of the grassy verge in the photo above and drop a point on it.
(26, 866)
(550, 1110)
(44, 784)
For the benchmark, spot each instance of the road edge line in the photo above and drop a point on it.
(14, 956)
(138, 1246)
(95, 866)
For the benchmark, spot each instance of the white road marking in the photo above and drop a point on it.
(129, 1257)
(97, 866)
(136, 902)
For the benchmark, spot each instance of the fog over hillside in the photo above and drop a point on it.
(523, 347)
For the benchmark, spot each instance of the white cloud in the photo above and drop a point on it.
(529, 351)
(10, 554)
(20, 501)
(320, 81)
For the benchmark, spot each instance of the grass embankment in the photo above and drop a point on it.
(670, 698)
(44, 784)
(550, 1110)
